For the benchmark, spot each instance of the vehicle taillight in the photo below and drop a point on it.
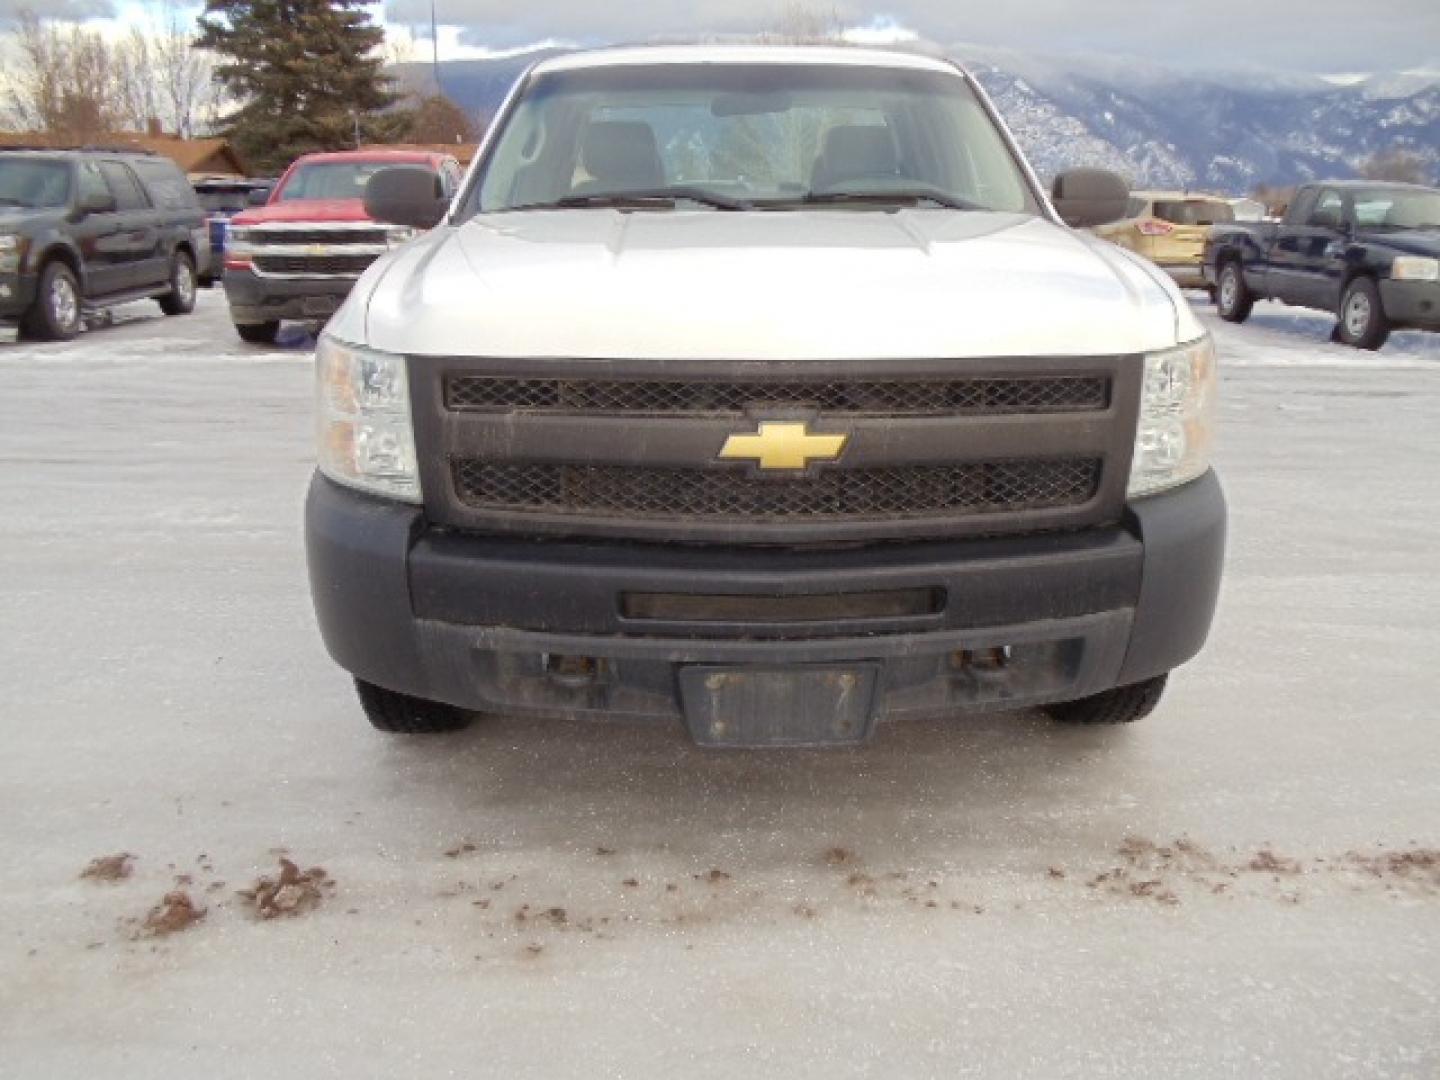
(1154, 227)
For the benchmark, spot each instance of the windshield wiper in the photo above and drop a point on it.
(655, 198)
(899, 196)
(4, 201)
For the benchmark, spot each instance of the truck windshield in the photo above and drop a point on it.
(33, 184)
(751, 136)
(1194, 211)
(1397, 208)
(330, 180)
(223, 200)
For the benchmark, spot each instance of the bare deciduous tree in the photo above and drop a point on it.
(66, 82)
(1396, 165)
(76, 86)
(185, 74)
(804, 24)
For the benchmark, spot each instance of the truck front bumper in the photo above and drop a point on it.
(1411, 303)
(17, 293)
(517, 626)
(1188, 275)
(257, 299)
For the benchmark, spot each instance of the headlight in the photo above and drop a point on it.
(363, 420)
(1177, 413)
(237, 243)
(1415, 268)
(12, 252)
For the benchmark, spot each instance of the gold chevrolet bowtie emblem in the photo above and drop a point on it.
(784, 445)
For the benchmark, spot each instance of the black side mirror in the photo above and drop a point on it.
(97, 202)
(1086, 197)
(257, 197)
(406, 195)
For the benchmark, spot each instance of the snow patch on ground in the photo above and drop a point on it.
(1279, 336)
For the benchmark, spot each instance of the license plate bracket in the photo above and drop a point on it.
(319, 305)
(791, 706)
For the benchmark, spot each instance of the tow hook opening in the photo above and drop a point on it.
(993, 659)
(572, 672)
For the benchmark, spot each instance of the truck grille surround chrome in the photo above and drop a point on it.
(612, 448)
(342, 250)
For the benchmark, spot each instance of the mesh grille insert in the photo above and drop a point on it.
(931, 397)
(719, 494)
(313, 264)
(260, 235)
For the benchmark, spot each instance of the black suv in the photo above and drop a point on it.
(83, 229)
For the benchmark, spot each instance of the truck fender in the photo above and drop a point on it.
(57, 246)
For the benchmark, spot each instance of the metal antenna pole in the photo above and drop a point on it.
(435, 49)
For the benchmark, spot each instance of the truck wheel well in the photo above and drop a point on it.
(59, 254)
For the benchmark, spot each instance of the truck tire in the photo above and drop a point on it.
(180, 300)
(56, 313)
(260, 333)
(1362, 317)
(1123, 705)
(1232, 298)
(402, 714)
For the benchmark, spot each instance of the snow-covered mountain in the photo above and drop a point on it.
(1223, 130)
(1157, 126)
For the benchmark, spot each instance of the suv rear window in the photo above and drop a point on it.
(1194, 211)
(224, 199)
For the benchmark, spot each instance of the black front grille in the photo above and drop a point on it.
(316, 236)
(327, 265)
(890, 397)
(720, 495)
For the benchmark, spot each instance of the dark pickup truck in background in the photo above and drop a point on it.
(1368, 252)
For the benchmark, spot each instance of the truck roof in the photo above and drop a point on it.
(402, 157)
(741, 54)
(1177, 196)
(1368, 185)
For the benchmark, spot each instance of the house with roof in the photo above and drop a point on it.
(195, 157)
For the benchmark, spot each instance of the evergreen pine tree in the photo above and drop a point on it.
(308, 74)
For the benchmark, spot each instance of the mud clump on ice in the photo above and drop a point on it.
(175, 912)
(1417, 867)
(293, 892)
(1150, 871)
(109, 868)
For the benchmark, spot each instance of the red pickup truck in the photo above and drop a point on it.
(297, 255)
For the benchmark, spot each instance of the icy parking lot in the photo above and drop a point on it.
(1246, 884)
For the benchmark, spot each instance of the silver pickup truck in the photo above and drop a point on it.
(763, 390)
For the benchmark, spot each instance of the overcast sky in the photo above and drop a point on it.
(1322, 36)
(1300, 35)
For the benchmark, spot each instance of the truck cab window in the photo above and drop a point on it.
(1329, 211)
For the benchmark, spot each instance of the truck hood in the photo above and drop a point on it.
(304, 210)
(772, 285)
(14, 217)
(1409, 241)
